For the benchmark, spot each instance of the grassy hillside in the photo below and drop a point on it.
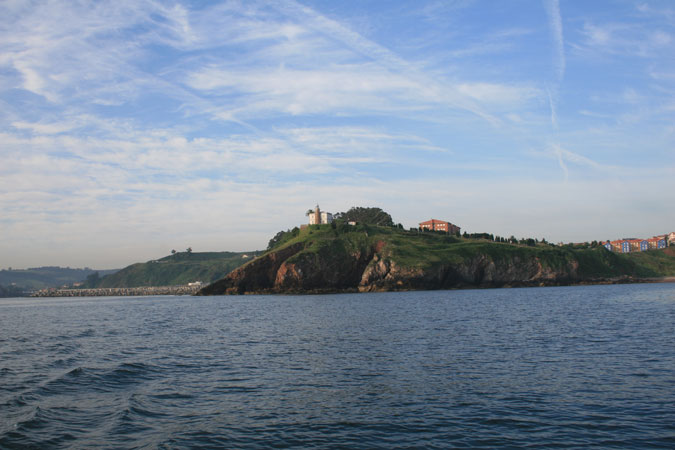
(45, 277)
(661, 262)
(180, 268)
(425, 251)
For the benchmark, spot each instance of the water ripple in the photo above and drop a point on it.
(528, 368)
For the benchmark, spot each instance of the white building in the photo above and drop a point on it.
(318, 217)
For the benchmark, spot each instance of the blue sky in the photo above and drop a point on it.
(130, 128)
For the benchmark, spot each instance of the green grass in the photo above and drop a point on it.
(181, 268)
(659, 262)
(425, 250)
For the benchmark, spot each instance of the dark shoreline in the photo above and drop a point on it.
(599, 281)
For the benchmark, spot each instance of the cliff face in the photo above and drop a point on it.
(338, 265)
(256, 276)
(479, 271)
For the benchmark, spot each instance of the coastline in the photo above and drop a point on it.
(524, 284)
(182, 290)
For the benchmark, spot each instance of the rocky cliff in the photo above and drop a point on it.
(371, 260)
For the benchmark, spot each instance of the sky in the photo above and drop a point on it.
(131, 128)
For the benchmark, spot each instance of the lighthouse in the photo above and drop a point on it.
(318, 217)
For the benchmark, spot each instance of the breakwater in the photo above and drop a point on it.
(108, 292)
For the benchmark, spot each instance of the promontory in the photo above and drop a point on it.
(364, 258)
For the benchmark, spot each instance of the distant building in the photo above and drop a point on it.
(621, 246)
(636, 245)
(671, 238)
(439, 225)
(318, 217)
(657, 242)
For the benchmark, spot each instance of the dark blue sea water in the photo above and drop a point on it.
(569, 367)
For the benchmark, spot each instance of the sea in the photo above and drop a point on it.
(554, 367)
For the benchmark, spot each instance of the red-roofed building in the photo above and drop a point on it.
(637, 245)
(657, 242)
(439, 225)
(622, 246)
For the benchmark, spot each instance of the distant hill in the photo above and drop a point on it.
(343, 258)
(45, 277)
(179, 268)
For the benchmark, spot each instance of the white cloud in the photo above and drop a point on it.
(618, 39)
(44, 128)
(138, 124)
(499, 94)
(555, 24)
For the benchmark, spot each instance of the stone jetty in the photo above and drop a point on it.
(113, 292)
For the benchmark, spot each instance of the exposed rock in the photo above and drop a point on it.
(363, 258)
(330, 269)
(258, 275)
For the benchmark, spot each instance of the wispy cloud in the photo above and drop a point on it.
(617, 39)
(150, 123)
(555, 25)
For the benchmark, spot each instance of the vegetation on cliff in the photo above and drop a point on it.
(178, 268)
(341, 257)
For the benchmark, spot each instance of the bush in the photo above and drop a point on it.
(282, 237)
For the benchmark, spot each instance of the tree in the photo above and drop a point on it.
(189, 250)
(368, 216)
(173, 252)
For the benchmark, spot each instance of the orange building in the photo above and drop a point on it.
(439, 225)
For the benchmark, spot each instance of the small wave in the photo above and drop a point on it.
(63, 348)
(37, 428)
(87, 333)
(132, 372)
(34, 421)
(172, 396)
(97, 379)
(76, 372)
(15, 402)
(64, 362)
